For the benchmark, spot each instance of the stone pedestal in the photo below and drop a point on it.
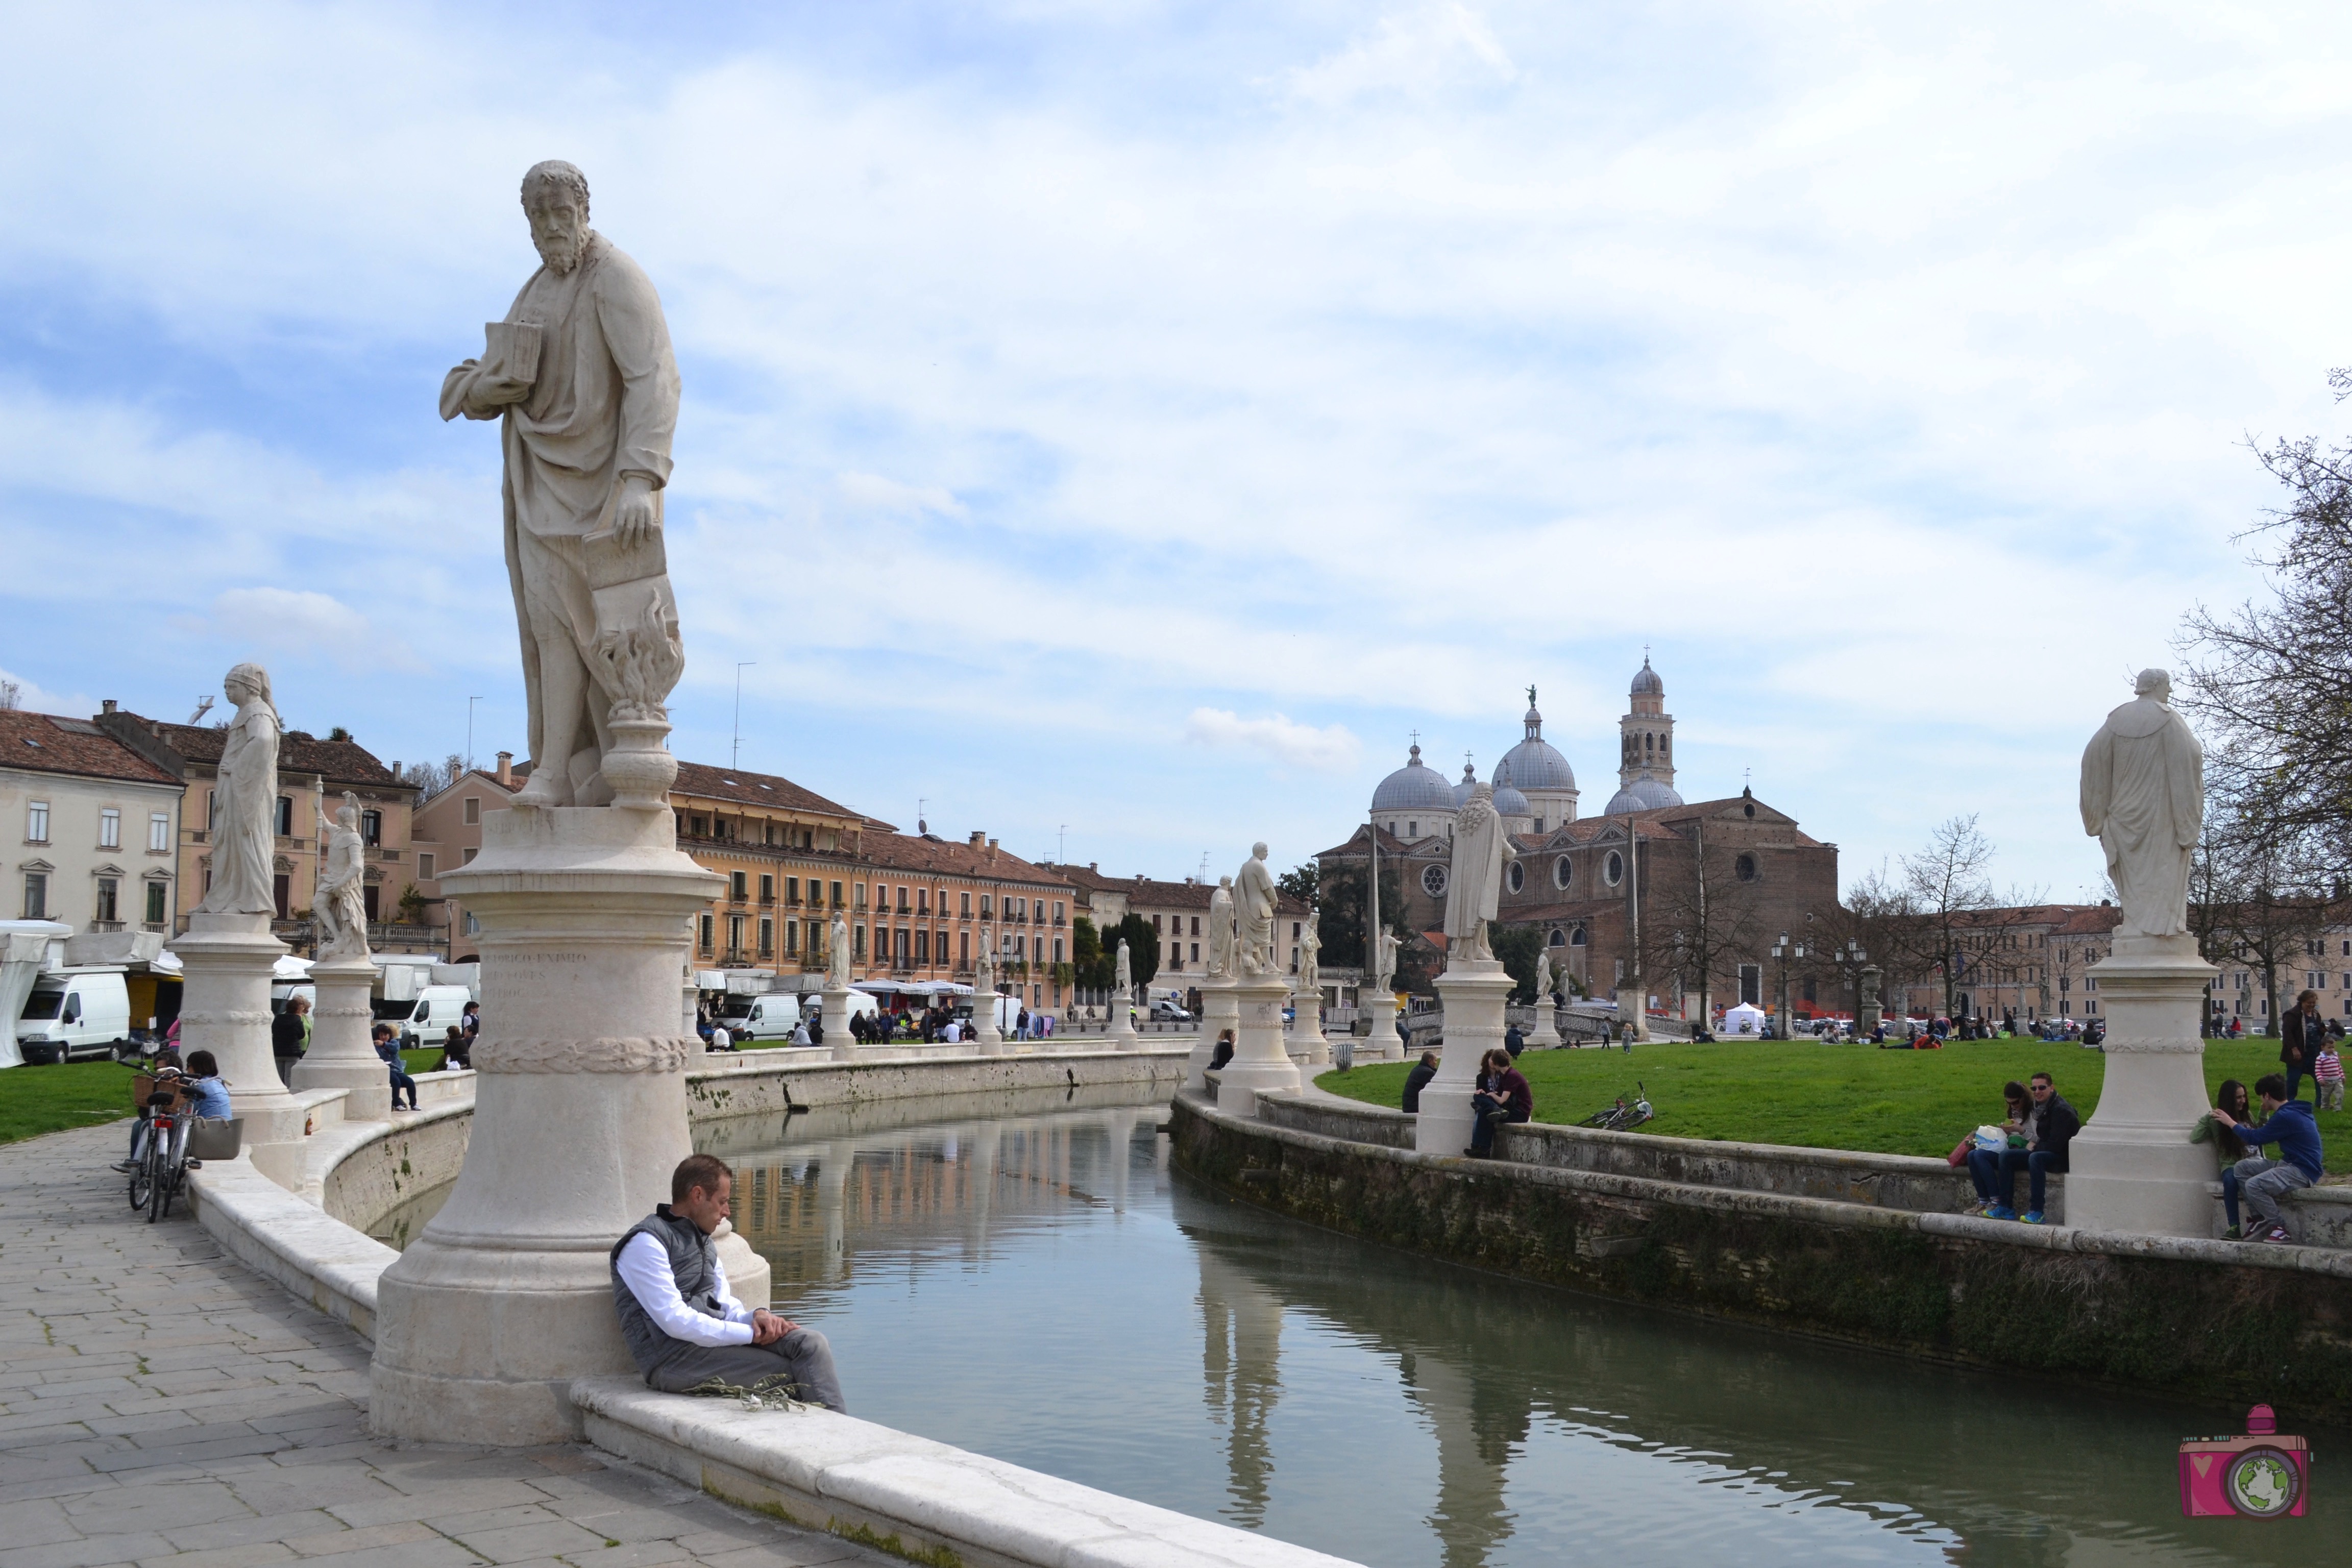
(2132, 1166)
(834, 1011)
(1545, 1034)
(1259, 1060)
(1473, 995)
(579, 1119)
(1383, 1044)
(1218, 1012)
(986, 1036)
(1123, 1036)
(1306, 1041)
(226, 962)
(342, 1051)
(1633, 1007)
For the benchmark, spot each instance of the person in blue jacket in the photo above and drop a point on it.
(2289, 1124)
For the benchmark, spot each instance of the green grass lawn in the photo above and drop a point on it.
(37, 1099)
(1830, 1097)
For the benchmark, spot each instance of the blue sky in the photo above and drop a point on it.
(1133, 420)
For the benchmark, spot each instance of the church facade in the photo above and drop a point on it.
(1690, 896)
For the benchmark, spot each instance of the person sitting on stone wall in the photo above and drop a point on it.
(387, 1050)
(1418, 1080)
(1223, 1053)
(2049, 1128)
(1503, 1095)
(687, 1332)
(2289, 1124)
(1985, 1164)
(1514, 1041)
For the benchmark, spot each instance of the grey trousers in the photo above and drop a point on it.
(2264, 1182)
(801, 1364)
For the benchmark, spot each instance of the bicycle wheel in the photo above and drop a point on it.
(159, 1177)
(142, 1176)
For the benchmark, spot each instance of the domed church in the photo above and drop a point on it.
(1733, 869)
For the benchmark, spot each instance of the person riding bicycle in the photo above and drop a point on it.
(199, 1086)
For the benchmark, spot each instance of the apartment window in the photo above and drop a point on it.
(466, 856)
(1196, 952)
(473, 926)
(424, 866)
(837, 894)
(736, 888)
(1294, 931)
(860, 890)
(211, 800)
(1155, 922)
(791, 939)
(155, 897)
(923, 948)
(963, 907)
(37, 896)
(767, 937)
(1058, 912)
(792, 890)
(734, 933)
(1057, 950)
(705, 923)
(371, 827)
(36, 824)
(941, 946)
(857, 940)
(902, 900)
(767, 888)
(109, 828)
(107, 892)
(159, 833)
(285, 816)
(984, 906)
(1196, 925)
(473, 811)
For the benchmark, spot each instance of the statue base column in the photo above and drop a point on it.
(1632, 1009)
(579, 1119)
(985, 1035)
(2132, 1167)
(1474, 994)
(1383, 1044)
(1259, 1060)
(1123, 1036)
(1218, 1012)
(1306, 1040)
(227, 964)
(836, 1014)
(1545, 1034)
(343, 1050)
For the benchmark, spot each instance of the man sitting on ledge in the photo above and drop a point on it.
(2289, 1124)
(685, 1332)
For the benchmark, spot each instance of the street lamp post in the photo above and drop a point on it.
(1783, 950)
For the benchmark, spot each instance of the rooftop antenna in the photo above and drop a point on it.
(735, 755)
(1061, 844)
(469, 731)
(921, 824)
(203, 708)
(1205, 866)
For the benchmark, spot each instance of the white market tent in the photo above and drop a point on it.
(1744, 1019)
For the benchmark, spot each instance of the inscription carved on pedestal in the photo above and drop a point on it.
(641, 1054)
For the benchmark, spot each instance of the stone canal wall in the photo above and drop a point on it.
(2211, 1320)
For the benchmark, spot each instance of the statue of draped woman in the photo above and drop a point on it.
(244, 832)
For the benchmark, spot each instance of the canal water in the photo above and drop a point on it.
(1025, 1277)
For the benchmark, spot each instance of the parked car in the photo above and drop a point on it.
(1166, 1012)
(428, 1024)
(76, 1013)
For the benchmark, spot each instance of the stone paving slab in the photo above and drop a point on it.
(163, 1407)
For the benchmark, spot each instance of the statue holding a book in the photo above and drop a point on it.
(580, 373)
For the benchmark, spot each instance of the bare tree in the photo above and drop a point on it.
(1955, 923)
(1874, 919)
(432, 778)
(12, 695)
(1696, 928)
(2258, 890)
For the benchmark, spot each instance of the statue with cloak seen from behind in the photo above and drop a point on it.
(1473, 889)
(2144, 799)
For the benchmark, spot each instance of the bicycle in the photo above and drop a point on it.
(157, 1174)
(1623, 1116)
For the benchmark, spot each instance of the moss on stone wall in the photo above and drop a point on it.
(2197, 1330)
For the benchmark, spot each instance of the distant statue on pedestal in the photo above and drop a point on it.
(2144, 798)
(1543, 978)
(341, 910)
(1473, 889)
(1310, 967)
(836, 955)
(1254, 899)
(1126, 975)
(1220, 930)
(1384, 962)
(244, 803)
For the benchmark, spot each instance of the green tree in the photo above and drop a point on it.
(1089, 964)
(1341, 899)
(1143, 948)
(1518, 947)
(1301, 882)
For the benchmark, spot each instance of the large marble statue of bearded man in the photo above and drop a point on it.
(582, 375)
(2143, 797)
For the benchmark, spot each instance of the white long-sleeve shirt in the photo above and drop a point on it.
(643, 1267)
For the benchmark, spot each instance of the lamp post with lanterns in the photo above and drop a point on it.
(1783, 950)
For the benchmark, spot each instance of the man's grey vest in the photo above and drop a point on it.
(692, 1260)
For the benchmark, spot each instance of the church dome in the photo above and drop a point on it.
(1414, 787)
(1461, 796)
(1645, 794)
(1509, 801)
(1534, 763)
(1647, 684)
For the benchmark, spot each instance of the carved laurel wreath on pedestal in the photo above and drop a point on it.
(636, 1053)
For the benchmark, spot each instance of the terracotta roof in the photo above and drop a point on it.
(1353, 847)
(41, 743)
(745, 788)
(299, 751)
(1151, 894)
(953, 857)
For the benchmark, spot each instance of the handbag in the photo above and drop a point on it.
(1959, 1154)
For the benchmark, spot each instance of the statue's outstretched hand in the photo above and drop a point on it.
(634, 519)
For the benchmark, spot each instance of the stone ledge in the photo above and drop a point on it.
(320, 1259)
(908, 1494)
(1820, 1211)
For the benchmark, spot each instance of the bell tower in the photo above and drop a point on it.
(1646, 734)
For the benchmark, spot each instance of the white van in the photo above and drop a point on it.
(428, 1022)
(76, 1013)
(770, 1017)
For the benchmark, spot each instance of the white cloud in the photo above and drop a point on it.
(31, 696)
(1330, 749)
(299, 621)
(1418, 51)
(873, 493)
